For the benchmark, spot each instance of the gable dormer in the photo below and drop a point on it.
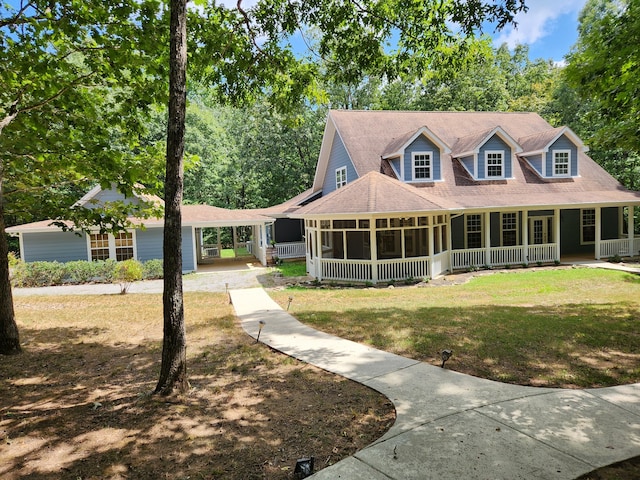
(416, 157)
(487, 155)
(553, 153)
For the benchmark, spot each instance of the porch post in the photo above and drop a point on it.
(630, 228)
(432, 239)
(598, 231)
(219, 240)
(556, 232)
(373, 248)
(235, 242)
(525, 235)
(487, 238)
(317, 239)
(449, 240)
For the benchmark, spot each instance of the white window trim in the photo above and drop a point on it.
(553, 166)
(112, 244)
(341, 180)
(582, 225)
(486, 164)
(413, 167)
(466, 230)
(502, 230)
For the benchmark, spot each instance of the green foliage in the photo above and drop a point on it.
(152, 269)
(38, 274)
(126, 273)
(604, 68)
(13, 260)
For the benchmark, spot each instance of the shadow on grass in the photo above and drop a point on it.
(575, 346)
(72, 410)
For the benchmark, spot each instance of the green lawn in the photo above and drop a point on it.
(556, 327)
(293, 269)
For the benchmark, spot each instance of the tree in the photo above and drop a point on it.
(77, 80)
(604, 68)
(173, 371)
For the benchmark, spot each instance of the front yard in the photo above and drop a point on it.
(559, 327)
(76, 404)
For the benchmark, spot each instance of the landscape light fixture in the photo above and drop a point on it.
(289, 304)
(445, 355)
(261, 325)
(304, 467)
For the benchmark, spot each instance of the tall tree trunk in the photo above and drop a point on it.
(173, 372)
(9, 338)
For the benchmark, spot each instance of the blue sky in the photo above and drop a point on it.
(550, 28)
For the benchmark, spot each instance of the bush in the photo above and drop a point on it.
(38, 274)
(152, 269)
(126, 273)
(82, 271)
(13, 260)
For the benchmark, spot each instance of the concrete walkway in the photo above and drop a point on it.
(454, 426)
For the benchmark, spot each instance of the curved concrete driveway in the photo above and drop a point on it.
(454, 426)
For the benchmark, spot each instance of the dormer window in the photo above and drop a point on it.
(561, 162)
(495, 164)
(421, 162)
(341, 177)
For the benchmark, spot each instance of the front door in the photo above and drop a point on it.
(540, 230)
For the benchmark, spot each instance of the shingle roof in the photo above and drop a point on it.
(192, 215)
(367, 134)
(374, 193)
(539, 141)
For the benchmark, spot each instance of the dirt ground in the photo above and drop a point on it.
(76, 404)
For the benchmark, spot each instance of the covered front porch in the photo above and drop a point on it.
(370, 248)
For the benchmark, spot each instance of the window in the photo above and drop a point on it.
(474, 231)
(495, 165)
(99, 246)
(421, 165)
(103, 246)
(588, 225)
(341, 177)
(124, 246)
(509, 229)
(561, 162)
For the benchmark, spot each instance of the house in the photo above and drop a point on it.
(44, 241)
(400, 195)
(418, 194)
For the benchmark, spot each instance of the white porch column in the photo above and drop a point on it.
(317, 245)
(556, 232)
(598, 231)
(432, 239)
(630, 228)
(525, 235)
(487, 238)
(262, 244)
(373, 248)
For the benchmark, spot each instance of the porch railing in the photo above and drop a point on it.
(547, 252)
(619, 246)
(471, 257)
(345, 270)
(290, 250)
(501, 256)
(402, 269)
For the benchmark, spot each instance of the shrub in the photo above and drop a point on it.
(615, 258)
(13, 260)
(127, 272)
(82, 271)
(152, 269)
(38, 274)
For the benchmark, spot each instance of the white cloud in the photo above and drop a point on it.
(538, 21)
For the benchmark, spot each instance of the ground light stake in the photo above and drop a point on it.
(261, 325)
